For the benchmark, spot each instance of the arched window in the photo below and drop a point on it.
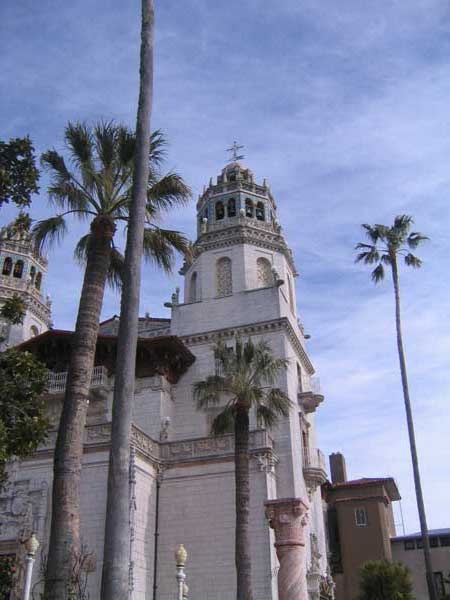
(220, 211)
(291, 294)
(7, 266)
(18, 269)
(264, 271)
(32, 275)
(260, 211)
(231, 207)
(34, 331)
(224, 277)
(249, 208)
(193, 288)
(38, 280)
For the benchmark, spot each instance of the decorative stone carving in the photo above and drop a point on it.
(264, 272)
(314, 575)
(224, 277)
(288, 517)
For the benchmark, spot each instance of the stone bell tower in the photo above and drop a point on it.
(22, 272)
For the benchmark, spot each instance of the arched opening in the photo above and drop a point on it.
(231, 207)
(38, 280)
(224, 277)
(249, 208)
(18, 269)
(220, 211)
(34, 331)
(193, 292)
(264, 272)
(260, 211)
(32, 275)
(7, 266)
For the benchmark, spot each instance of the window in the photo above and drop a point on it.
(249, 209)
(299, 378)
(18, 269)
(231, 207)
(220, 211)
(38, 281)
(193, 293)
(439, 583)
(260, 211)
(291, 294)
(34, 331)
(7, 266)
(32, 275)
(419, 544)
(361, 517)
(410, 545)
(444, 540)
(224, 277)
(264, 272)
(434, 542)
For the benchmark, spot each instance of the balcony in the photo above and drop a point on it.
(314, 467)
(57, 381)
(309, 400)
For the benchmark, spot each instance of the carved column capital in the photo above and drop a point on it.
(288, 518)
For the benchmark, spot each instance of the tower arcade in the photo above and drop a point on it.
(22, 272)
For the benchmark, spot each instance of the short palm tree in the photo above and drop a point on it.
(386, 245)
(244, 380)
(95, 187)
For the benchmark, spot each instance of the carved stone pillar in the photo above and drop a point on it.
(288, 517)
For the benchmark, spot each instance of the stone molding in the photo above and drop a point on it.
(211, 337)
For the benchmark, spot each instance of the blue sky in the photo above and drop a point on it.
(343, 107)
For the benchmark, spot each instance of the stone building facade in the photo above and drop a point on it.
(238, 280)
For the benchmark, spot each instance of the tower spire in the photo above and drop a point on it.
(235, 156)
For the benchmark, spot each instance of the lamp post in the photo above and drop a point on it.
(180, 560)
(31, 547)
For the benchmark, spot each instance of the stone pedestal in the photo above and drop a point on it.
(288, 517)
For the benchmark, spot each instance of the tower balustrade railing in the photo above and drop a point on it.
(313, 458)
(56, 383)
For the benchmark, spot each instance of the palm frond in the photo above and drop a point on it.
(105, 142)
(402, 223)
(80, 141)
(157, 152)
(266, 417)
(116, 269)
(209, 391)
(224, 422)
(278, 402)
(160, 244)
(82, 248)
(386, 259)
(413, 261)
(368, 257)
(378, 273)
(166, 193)
(126, 142)
(49, 231)
(415, 238)
(371, 232)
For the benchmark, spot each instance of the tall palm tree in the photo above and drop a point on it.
(96, 187)
(116, 555)
(245, 378)
(387, 245)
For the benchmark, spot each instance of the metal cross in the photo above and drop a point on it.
(234, 150)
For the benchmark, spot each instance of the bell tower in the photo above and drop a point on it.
(239, 251)
(22, 272)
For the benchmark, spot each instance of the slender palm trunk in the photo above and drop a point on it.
(242, 481)
(65, 535)
(117, 550)
(412, 437)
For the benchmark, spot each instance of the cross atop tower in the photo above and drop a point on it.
(234, 152)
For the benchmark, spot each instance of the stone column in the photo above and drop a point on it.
(288, 517)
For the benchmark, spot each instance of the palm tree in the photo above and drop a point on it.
(116, 555)
(245, 378)
(387, 244)
(96, 188)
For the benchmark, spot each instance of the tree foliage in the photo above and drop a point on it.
(18, 173)
(23, 425)
(383, 580)
(14, 309)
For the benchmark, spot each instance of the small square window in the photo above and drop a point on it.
(445, 540)
(410, 545)
(420, 544)
(434, 542)
(361, 517)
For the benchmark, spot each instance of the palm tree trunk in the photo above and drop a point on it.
(412, 437)
(117, 549)
(242, 481)
(65, 534)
